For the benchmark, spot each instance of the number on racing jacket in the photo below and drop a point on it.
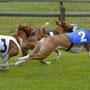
(4, 46)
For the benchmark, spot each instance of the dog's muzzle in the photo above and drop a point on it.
(68, 29)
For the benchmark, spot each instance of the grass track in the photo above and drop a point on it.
(70, 72)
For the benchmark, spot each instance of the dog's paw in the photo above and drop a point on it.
(48, 62)
(3, 68)
(17, 63)
(12, 64)
(17, 59)
(57, 57)
(4, 64)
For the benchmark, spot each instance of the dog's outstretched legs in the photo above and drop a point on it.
(13, 51)
(35, 50)
(45, 47)
(40, 52)
(88, 53)
(26, 58)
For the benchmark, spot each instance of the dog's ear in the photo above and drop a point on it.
(18, 25)
(26, 28)
(65, 24)
(58, 22)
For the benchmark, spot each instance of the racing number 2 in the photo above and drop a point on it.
(82, 36)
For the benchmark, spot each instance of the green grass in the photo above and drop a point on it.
(70, 72)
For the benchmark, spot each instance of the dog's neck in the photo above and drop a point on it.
(60, 29)
(39, 35)
(21, 35)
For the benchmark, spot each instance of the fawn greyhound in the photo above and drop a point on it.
(42, 50)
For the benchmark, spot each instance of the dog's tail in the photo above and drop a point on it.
(43, 29)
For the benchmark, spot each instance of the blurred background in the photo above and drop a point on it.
(8, 23)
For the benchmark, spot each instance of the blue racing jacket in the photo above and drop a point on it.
(79, 37)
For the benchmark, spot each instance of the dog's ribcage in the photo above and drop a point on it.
(73, 49)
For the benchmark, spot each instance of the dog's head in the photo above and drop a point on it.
(28, 29)
(65, 25)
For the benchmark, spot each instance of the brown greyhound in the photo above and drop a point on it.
(74, 42)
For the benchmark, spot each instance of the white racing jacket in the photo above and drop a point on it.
(4, 44)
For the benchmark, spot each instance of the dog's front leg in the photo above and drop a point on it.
(24, 51)
(4, 63)
(4, 60)
(26, 58)
(20, 60)
(44, 62)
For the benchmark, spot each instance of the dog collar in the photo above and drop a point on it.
(20, 28)
(38, 31)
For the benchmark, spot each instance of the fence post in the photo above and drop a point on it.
(62, 12)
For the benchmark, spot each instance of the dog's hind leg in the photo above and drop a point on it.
(44, 62)
(88, 49)
(57, 56)
(89, 53)
(45, 50)
(37, 49)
